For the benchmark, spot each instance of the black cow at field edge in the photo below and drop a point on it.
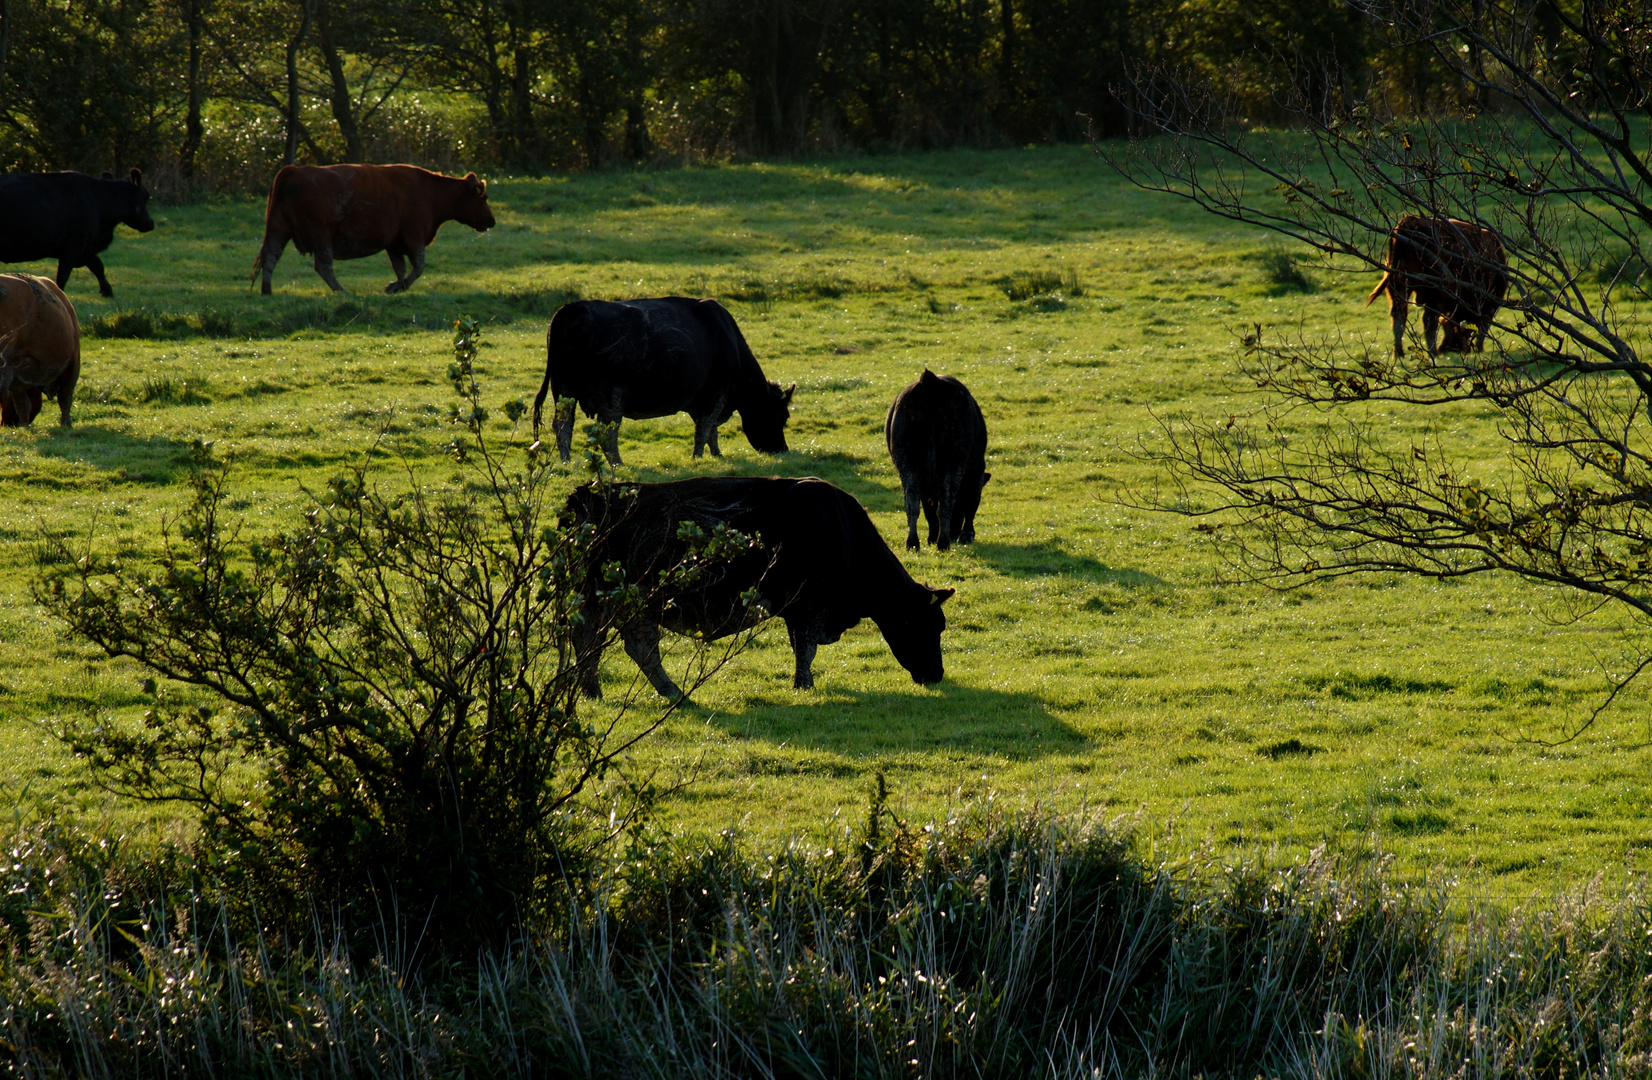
(821, 566)
(70, 217)
(647, 358)
(938, 441)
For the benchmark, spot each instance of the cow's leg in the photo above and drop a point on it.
(946, 503)
(324, 267)
(399, 265)
(705, 434)
(563, 425)
(610, 418)
(587, 636)
(64, 391)
(1480, 336)
(1397, 310)
(268, 255)
(642, 644)
(64, 269)
(929, 518)
(804, 643)
(1431, 327)
(415, 255)
(95, 265)
(909, 488)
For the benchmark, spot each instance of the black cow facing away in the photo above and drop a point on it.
(820, 565)
(647, 358)
(69, 217)
(938, 440)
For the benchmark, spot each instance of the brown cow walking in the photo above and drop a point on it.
(352, 211)
(39, 348)
(1457, 270)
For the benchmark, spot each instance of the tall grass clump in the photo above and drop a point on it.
(989, 945)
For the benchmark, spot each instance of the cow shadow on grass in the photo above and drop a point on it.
(952, 719)
(138, 459)
(854, 473)
(1045, 559)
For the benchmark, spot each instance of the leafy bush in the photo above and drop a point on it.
(1042, 283)
(988, 945)
(384, 705)
(1281, 270)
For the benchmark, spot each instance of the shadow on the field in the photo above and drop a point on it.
(1047, 560)
(853, 473)
(955, 718)
(139, 459)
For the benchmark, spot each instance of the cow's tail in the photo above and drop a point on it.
(273, 219)
(1387, 271)
(544, 387)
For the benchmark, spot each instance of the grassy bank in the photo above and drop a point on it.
(1094, 655)
(987, 946)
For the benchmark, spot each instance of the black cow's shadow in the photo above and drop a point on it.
(957, 718)
(1045, 559)
(854, 473)
(141, 459)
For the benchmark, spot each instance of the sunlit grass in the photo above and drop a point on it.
(1094, 655)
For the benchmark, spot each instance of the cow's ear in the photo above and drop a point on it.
(940, 596)
(137, 178)
(984, 478)
(928, 376)
(786, 396)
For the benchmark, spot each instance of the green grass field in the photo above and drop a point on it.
(1093, 655)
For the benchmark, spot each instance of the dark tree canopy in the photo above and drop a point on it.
(216, 93)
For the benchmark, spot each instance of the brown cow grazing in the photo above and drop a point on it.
(1457, 270)
(352, 211)
(39, 348)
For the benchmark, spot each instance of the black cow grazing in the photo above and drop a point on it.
(647, 358)
(70, 217)
(821, 566)
(1458, 271)
(938, 440)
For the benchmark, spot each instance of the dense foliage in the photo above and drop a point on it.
(984, 946)
(378, 707)
(219, 92)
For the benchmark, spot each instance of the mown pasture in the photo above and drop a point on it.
(1095, 656)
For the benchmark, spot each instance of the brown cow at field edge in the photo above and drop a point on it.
(1457, 270)
(39, 348)
(352, 211)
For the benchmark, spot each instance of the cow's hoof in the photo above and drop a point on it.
(803, 684)
(394, 287)
(912, 542)
(106, 293)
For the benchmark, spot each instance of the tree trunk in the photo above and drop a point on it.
(785, 55)
(523, 135)
(193, 130)
(5, 37)
(638, 146)
(344, 112)
(290, 154)
(1006, 59)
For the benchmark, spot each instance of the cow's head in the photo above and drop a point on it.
(472, 208)
(135, 202)
(764, 421)
(914, 633)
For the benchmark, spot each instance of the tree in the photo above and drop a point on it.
(378, 710)
(1306, 485)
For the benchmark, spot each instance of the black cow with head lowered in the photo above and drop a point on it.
(819, 564)
(938, 441)
(70, 217)
(647, 358)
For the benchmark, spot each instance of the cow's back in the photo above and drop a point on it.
(654, 357)
(45, 216)
(354, 210)
(39, 332)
